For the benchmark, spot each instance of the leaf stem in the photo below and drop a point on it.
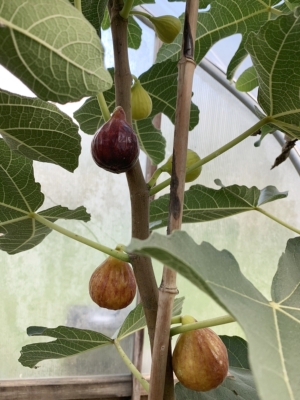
(77, 4)
(141, 13)
(107, 250)
(226, 319)
(215, 153)
(154, 177)
(103, 106)
(126, 10)
(131, 367)
(290, 227)
(176, 320)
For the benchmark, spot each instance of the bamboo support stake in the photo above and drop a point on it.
(161, 382)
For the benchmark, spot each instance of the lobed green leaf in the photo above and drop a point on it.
(20, 197)
(39, 130)
(202, 204)
(69, 342)
(278, 72)
(69, 64)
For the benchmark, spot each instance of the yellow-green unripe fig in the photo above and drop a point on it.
(191, 158)
(141, 103)
(166, 27)
(200, 359)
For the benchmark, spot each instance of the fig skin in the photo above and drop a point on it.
(191, 158)
(115, 145)
(112, 285)
(141, 103)
(200, 360)
(166, 27)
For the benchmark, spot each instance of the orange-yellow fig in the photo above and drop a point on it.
(112, 284)
(200, 359)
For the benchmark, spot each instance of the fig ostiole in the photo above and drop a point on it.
(115, 145)
(166, 27)
(141, 103)
(112, 285)
(200, 359)
(191, 158)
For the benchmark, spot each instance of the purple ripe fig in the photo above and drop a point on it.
(115, 145)
(112, 284)
(200, 359)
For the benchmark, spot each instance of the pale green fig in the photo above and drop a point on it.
(200, 359)
(191, 158)
(141, 103)
(166, 27)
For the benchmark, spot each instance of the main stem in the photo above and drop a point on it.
(139, 194)
(161, 379)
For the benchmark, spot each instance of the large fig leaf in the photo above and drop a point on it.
(69, 342)
(39, 130)
(202, 204)
(20, 197)
(272, 327)
(72, 341)
(275, 54)
(53, 49)
(224, 18)
(136, 320)
(238, 385)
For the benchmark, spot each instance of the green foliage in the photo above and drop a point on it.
(72, 341)
(278, 74)
(225, 18)
(39, 130)
(247, 81)
(69, 341)
(93, 11)
(56, 51)
(272, 327)
(20, 197)
(69, 65)
(202, 204)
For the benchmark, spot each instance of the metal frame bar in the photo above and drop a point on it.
(250, 102)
